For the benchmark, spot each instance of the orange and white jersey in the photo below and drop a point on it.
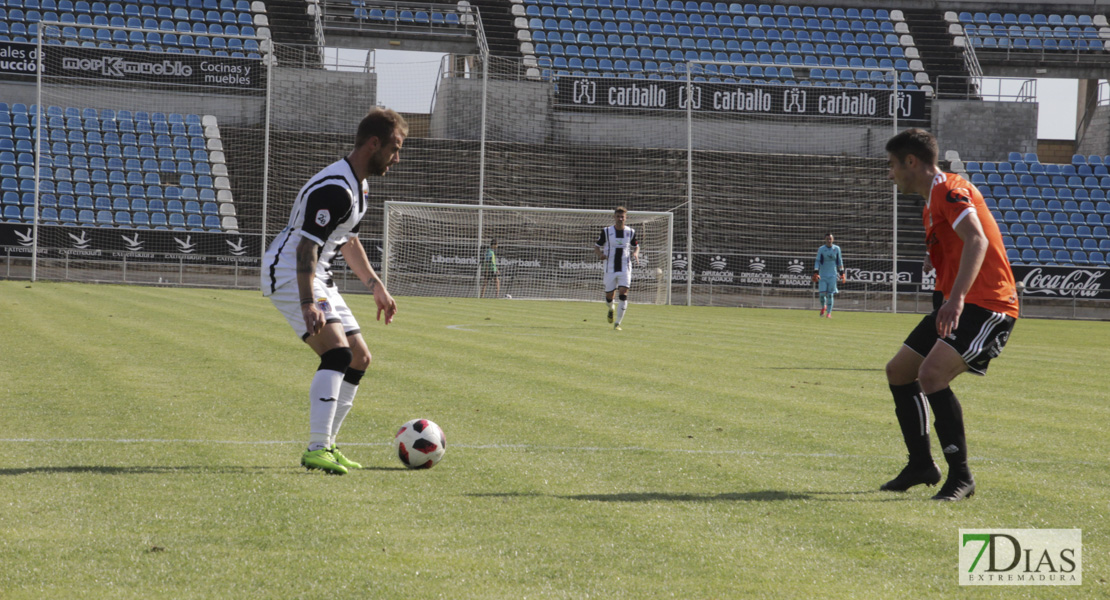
(951, 200)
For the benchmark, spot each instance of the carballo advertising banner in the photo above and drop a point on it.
(138, 245)
(153, 67)
(591, 93)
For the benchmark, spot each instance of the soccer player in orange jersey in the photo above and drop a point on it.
(966, 329)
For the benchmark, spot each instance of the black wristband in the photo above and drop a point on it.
(305, 301)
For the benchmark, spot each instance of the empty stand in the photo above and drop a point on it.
(183, 26)
(117, 163)
(1049, 214)
(649, 39)
(1044, 34)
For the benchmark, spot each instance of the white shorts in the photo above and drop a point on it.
(618, 279)
(288, 302)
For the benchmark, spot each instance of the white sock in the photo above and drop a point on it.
(347, 391)
(623, 306)
(322, 395)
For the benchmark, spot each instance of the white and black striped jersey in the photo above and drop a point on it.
(618, 245)
(328, 210)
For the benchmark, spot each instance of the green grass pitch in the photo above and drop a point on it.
(150, 438)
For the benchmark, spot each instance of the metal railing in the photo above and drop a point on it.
(447, 63)
(993, 89)
(1018, 45)
(416, 18)
(971, 60)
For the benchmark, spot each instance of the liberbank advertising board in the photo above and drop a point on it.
(591, 93)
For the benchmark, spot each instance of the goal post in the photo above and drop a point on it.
(432, 249)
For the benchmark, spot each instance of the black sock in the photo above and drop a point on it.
(950, 431)
(913, 417)
(353, 376)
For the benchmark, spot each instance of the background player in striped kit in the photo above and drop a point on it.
(828, 269)
(618, 247)
(965, 331)
(296, 275)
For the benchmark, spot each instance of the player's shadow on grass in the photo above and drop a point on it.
(755, 496)
(760, 496)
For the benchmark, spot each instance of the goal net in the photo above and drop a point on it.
(779, 158)
(134, 178)
(541, 253)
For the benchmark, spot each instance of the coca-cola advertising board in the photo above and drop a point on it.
(1063, 282)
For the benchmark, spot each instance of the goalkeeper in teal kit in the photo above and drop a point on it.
(828, 269)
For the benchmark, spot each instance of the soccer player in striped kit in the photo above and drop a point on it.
(297, 277)
(968, 327)
(618, 247)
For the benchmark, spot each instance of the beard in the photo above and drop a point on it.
(377, 165)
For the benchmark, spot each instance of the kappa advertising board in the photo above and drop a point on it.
(588, 93)
(175, 69)
(139, 245)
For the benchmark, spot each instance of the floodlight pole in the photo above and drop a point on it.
(689, 186)
(482, 165)
(895, 105)
(269, 59)
(38, 125)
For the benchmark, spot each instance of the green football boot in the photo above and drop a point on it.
(343, 460)
(324, 460)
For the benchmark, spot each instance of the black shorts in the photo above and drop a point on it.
(981, 336)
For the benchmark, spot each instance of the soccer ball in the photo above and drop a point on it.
(420, 444)
(508, 296)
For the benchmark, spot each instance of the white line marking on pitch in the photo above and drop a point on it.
(525, 447)
(578, 333)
